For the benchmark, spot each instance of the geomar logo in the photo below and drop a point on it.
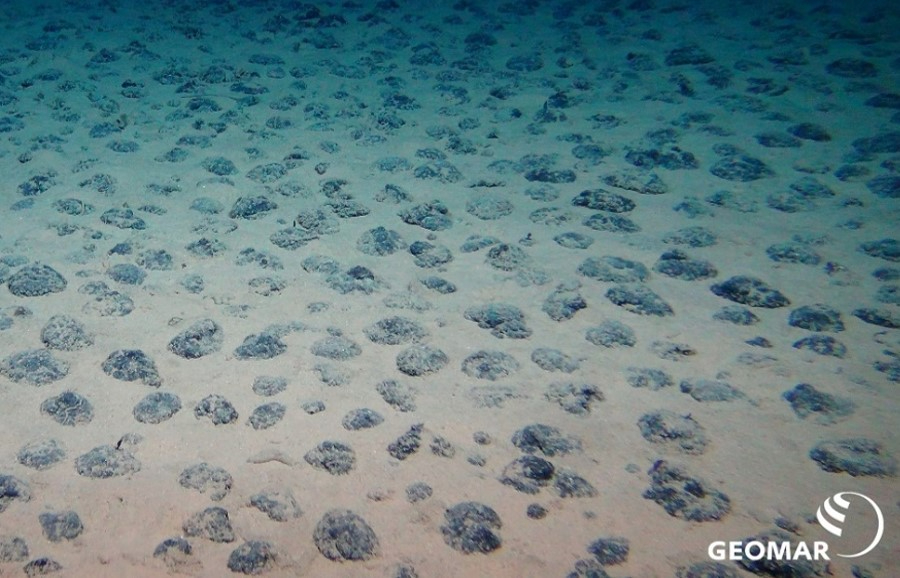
(831, 516)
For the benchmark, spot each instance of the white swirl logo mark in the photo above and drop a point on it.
(834, 515)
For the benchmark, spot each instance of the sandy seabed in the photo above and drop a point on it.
(281, 203)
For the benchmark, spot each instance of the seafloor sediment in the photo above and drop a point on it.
(489, 289)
